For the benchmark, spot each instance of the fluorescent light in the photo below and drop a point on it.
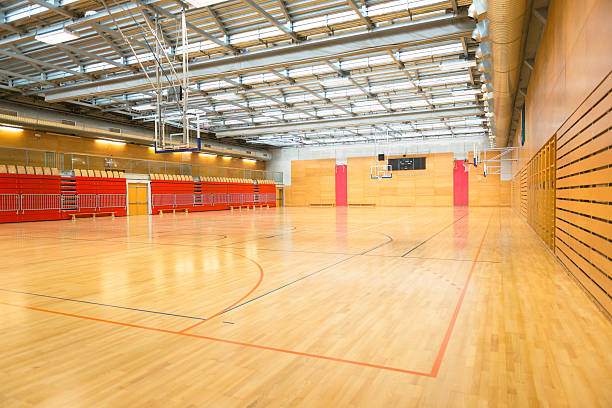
(143, 107)
(226, 96)
(227, 157)
(110, 142)
(448, 66)
(466, 92)
(204, 3)
(56, 37)
(249, 160)
(335, 81)
(10, 129)
(207, 154)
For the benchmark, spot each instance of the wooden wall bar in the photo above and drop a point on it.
(584, 194)
(540, 186)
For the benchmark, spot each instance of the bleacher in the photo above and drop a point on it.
(30, 193)
(176, 192)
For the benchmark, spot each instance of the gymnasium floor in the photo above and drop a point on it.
(373, 307)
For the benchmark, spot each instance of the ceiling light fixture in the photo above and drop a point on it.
(225, 96)
(10, 129)
(110, 142)
(452, 65)
(56, 37)
(143, 107)
(335, 81)
(204, 3)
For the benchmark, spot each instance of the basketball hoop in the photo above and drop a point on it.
(380, 172)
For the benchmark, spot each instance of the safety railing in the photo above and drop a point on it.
(40, 202)
(111, 201)
(10, 202)
(210, 199)
(87, 201)
(60, 202)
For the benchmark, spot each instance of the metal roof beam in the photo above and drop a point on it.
(334, 123)
(363, 18)
(166, 13)
(355, 43)
(272, 20)
(40, 62)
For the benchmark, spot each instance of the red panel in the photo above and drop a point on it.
(460, 184)
(341, 186)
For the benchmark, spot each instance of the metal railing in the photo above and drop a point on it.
(60, 202)
(10, 202)
(40, 202)
(210, 199)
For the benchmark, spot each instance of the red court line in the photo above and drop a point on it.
(432, 374)
(239, 343)
(451, 325)
(261, 275)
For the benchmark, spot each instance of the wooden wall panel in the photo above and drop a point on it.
(487, 191)
(312, 182)
(430, 187)
(584, 194)
(577, 35)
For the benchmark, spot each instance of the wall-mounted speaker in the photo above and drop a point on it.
(381, 157)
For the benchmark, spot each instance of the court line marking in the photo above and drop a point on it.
(433, 373)
(291, 283)
(261, 275)
(220, 340)
(451, 325)
(100, 304)
(448, 226)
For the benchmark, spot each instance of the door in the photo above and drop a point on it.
(138, 198)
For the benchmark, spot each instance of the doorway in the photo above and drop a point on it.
(138, 194)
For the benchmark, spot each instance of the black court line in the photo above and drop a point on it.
(378, 246)
(101, 304)
(291, 283)
(434, 235)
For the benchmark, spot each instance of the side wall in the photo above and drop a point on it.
(573, 58)
(568, 142)
(312, 182)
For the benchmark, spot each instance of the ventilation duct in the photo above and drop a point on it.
(506, 25)
(70, 127)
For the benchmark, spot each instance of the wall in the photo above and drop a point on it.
(282, 158)
(312, 182)
(568, 102)
(430, 187)
(72, 144)
(574, 56)
(489, 191)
